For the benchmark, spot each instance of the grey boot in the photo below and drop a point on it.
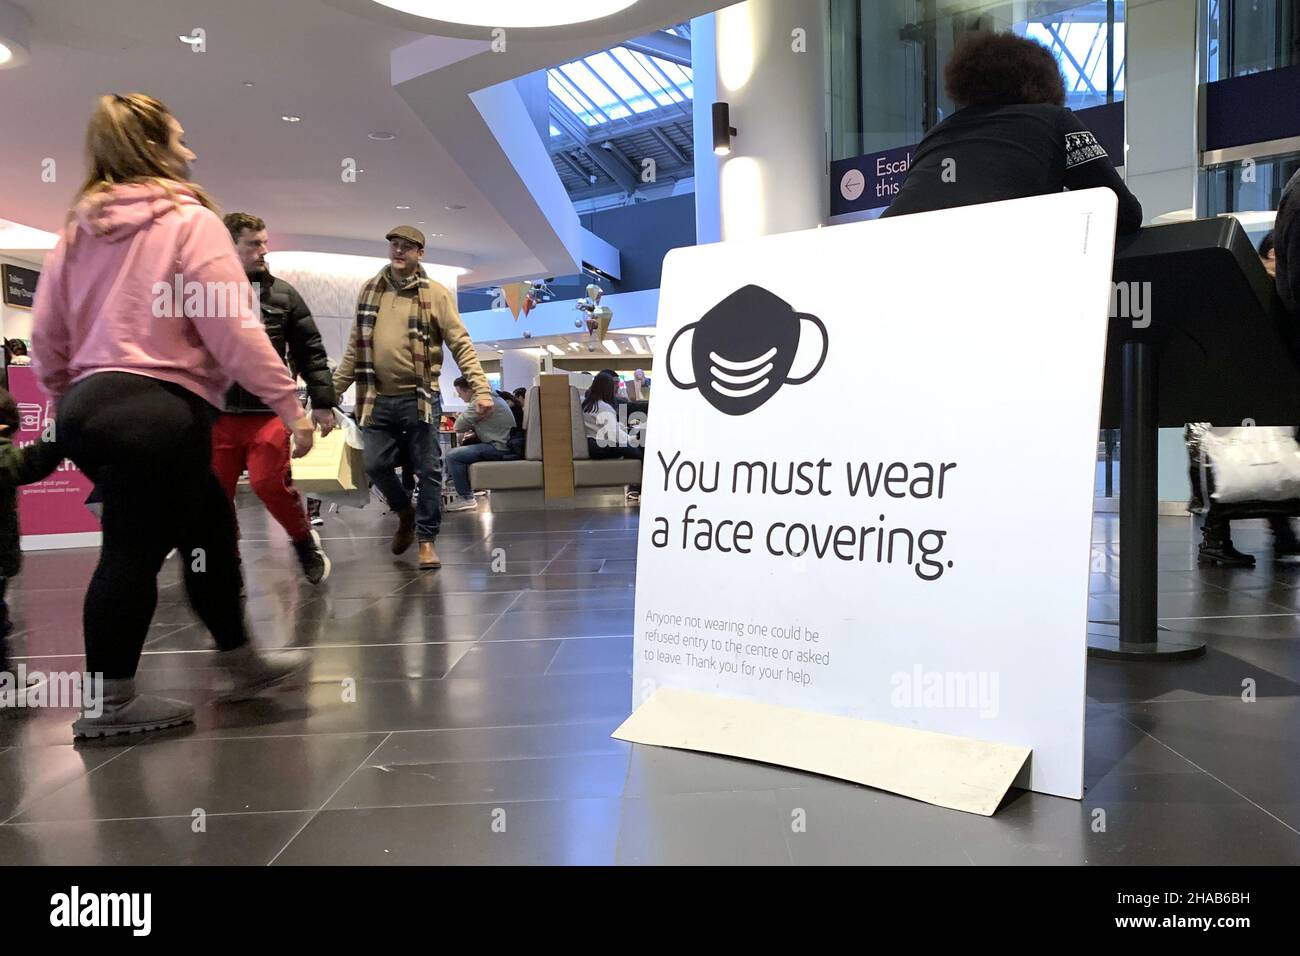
(250, 673)
(123, 711)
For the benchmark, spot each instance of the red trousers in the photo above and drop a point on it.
(260, 443)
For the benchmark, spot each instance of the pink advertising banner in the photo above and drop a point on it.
(56, 505)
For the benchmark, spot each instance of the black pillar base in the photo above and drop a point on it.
(1104, 644)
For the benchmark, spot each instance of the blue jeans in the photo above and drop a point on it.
(395, 425)
(459, 460)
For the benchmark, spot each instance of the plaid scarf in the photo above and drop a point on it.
(421, 329)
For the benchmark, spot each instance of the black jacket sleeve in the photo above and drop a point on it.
(307, 353)
(22, 466)
(1087, 165)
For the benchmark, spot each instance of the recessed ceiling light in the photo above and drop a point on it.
(612, 347)
(292, 119)
(555, 350)
(381, 135)
(248, 83)
(403, 207)
(509, 13)
(454, 207)
(636, 345)
(419, 222)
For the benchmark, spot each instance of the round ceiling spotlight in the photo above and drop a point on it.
(381, 135)
(509, 13)
(403, 207)
(15, 25)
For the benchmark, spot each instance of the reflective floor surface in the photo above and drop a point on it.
(463, 717)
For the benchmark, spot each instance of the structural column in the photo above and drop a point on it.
(1160, 90)
(770, 59)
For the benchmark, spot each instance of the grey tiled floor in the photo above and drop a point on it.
(484, 700)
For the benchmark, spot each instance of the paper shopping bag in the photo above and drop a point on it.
(332, 467)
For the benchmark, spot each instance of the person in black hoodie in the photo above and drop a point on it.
(1011, 137)
(248, 434)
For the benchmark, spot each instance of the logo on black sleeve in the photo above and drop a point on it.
(744, 349)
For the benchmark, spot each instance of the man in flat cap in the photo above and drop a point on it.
(395, 357)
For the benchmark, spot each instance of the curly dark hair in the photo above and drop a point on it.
(1002, 69)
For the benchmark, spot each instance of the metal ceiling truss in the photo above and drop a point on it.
(609, 123)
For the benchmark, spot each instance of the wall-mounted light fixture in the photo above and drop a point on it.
(722, 129)
(15, 26)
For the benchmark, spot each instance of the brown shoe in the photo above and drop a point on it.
(428, 557)
(405, 535)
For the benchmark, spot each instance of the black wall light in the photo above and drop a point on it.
(722, 129)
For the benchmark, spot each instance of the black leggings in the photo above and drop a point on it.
(147, 445)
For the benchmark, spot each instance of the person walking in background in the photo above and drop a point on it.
(138, 378)
(493, 431)
(1216, 531)
(1011, 137)
(249, 435)
(395, 357)
(18, 466)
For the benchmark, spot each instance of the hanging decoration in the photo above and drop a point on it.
(596, 318)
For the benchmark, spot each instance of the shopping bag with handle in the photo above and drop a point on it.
(1253, 463)
(334, 470)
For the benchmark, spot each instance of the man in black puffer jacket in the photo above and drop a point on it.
(249, 435)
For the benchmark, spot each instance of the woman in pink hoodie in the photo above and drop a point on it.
(142, 319)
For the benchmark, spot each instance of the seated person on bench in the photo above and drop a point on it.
(493, 431)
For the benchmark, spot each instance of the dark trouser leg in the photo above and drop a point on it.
(1216, 529)
(123, 591)
(459, 460)
(208, 548)
(1284, 536)
(426, 453)
(382, 437)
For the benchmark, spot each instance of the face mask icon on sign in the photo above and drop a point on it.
(744, 349)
